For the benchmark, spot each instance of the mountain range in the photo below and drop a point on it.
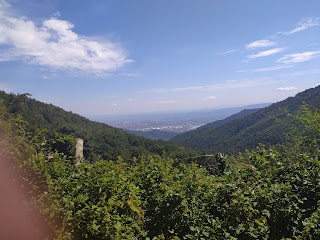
(243, 130)
(101, 141)
(154, 134)
(167, 125)
(249, 128)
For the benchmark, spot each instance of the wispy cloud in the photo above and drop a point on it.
(260, 44)
(286, 88)
(266, 53)
(129, 74)
(4, 6)
(275, 68)
(301, 73)
(47, 77)
(209, 98)
(245, 83)
(304, 24)
(228, 52)
(314, 44)
(131, 99)
(299, 57)
(55, 44)
(181, 89)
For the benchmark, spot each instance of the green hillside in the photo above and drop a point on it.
(101, 140)
(262, 194)
(154, 134)
(239, 132)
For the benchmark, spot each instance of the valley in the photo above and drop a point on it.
(159, 120)
(156, 125)
(129, 187)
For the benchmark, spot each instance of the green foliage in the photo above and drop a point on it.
(265, 193)
(310, 119)
(246, 130)
(101, 141)
(154, 134)
(264, 196)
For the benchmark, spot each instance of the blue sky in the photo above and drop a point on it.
(122, 56)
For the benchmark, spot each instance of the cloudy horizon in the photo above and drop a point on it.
(97, 58)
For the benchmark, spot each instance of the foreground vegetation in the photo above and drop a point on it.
(261, 194)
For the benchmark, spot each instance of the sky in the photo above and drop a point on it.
(123, 56)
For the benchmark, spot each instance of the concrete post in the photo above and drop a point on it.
(79, 151)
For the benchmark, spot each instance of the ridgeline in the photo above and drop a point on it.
(249, 128)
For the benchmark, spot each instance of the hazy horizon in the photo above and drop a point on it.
(132, 57)
(173, 112)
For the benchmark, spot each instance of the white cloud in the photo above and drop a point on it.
(299, 57)
(266, 53)
(186, 88)
(129, 74)
(228, 52)
(209, 98)
(115, 105)
(304, 24)
(4, 6)
(131, 99)
(260, 44)
(275, 68)
(286, 88)
(181, 89)
(53, 43)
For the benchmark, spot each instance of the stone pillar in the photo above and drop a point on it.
(221, 163)
(79, 151)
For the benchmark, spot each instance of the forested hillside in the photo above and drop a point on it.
(262, 194)
(188, 136)
(266, 126)
(154, 134)
(101, 140)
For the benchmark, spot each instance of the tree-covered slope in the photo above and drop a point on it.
(246, 132)
(262, 194)
(101, 140)
(154, 134)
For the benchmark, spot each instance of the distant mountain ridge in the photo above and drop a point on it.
(166, 135)
(188, 137)
(196, 114)
(154, 134)
(238, 133)
(161, 133)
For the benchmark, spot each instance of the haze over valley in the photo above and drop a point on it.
(172, 122)
(162, 120)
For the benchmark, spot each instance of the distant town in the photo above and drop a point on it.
(163, 125)
(173, 122)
